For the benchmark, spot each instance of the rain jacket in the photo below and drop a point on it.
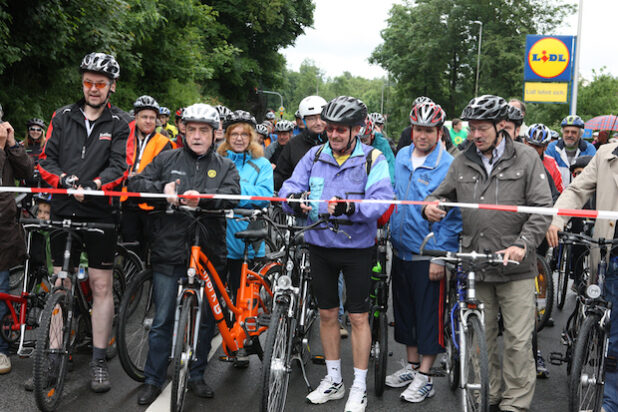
(557, 150)
(380, 143)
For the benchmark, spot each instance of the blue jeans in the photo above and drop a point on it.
(610, 395)
(4, 288)
(160, 337)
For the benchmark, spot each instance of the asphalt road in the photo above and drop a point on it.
(240, 389)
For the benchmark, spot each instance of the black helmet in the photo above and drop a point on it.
(100, 63)
(487, 107)
(36, 122)
(581, 161)
(514, 115)
(284, 126)
(145, 103)
(345, 110)
(239, 116)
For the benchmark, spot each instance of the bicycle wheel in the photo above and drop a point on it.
(135, 317)
(119, 286)
(129, 261)
(183, 352)
(16, 277)
(563, 276)
(380, 350)
(476, 387)
(451, 353)
(544, 292)
(51, 352)
(276, 364)
(586, 379)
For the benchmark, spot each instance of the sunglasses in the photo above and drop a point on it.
(35, 129)
(99, 85)
(339, 129)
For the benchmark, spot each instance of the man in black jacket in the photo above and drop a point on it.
(313, 134)
(86, 149)
(191, 170)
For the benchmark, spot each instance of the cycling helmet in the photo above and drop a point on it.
(201, 113)
(538, 134)
(270, 116)
(298, 115)
(145, 103)
(376, 118)
(345, 110)
(555, 135)
(427, 114)
(487, 107)
(573, 120)
(421, 99)
(514, 115)
(223, 111)
(311, 105)
(100, 63)
(284, 126)
(42, 197)
(239, 116)
(581, 161)
(36, 122)
(366, 132)
(179, 112)
(261, 129)
(164, 111)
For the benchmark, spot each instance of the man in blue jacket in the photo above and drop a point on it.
(418, 283)
(330, 174)
(570, 147)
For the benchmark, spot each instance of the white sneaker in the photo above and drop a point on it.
(5, 364)
(402, 377)
(357, 401)
(327, 391)
(419, 390)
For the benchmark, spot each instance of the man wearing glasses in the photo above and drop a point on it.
(336, 172)
(85, 149)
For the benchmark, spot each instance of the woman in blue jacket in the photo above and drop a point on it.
(256, 179)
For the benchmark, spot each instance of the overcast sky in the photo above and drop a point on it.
(346, 32)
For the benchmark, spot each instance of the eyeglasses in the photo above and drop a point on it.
(480, 129)
(99, 85)
(35, 129)
(243, 135)
(339, 129)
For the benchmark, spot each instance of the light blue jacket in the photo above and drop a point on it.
(256, 179)
(408, 228)
(557, 150)
(324, 178)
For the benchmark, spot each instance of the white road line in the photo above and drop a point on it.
(162, 403)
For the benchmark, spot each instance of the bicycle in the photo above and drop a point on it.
(65, 320)
(466, 359)
(543, 292)
(567, 264)
(253, 299)
(294, 312)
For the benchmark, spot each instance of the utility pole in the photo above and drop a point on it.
(478, 60)
(578, 43)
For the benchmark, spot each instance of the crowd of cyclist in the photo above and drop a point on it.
(331, 158)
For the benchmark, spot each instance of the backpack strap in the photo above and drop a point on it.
(371, 157)
(318, 153)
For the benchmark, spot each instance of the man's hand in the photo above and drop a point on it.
(68, 181)
(170, 189)
(552, 235)
(4, 133)
(86, 185)
(339, 208)
(299, 207)
(512, 253)
(191, 201)
(436, 272)
(434, 213)
(11, 134)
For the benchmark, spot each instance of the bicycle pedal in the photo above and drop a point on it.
(556, 358)
(318, 359)
(251, 324)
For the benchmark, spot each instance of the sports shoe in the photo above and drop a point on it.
(420, 389)
(541, 369)
(357, 401)
(327, 391)
(343, 332)
(99, 376)
(402, 377)
(5, 364)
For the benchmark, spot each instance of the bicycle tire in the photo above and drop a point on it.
(587, 367)
(451, 353)
(563, 277)
(544, 284)
(16, 277)
(381, 353)
(183, 352)
(119, 286)
(275, 367)
(475, 357)
(136, 315)
(131, 263)
(49, 377)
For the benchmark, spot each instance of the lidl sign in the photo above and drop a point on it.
(549, 58)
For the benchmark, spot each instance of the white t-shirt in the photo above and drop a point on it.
(417, 161)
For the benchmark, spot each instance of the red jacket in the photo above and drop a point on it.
(552, 167)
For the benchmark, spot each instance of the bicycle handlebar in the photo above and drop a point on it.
(66, 224)
(457, 256)
(567, 237)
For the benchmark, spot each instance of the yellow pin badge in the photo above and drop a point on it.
(212, 173)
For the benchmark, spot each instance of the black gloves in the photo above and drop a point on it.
(89, 185)
(346, 208)
(69, 182)
(296, 205)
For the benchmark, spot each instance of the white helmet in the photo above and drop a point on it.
(201, 113)
(311, 105)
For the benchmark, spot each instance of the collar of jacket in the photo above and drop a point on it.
(314, 138)
(78, 116)
(433, 159)
(238, 158)
(582, 145)
(196, 156)
(327, 153)
(509, 151)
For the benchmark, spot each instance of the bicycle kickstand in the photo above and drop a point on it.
(302, 368)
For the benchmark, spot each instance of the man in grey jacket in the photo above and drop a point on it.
(496, 170)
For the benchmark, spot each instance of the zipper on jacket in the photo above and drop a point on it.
(83, 152)
(403, 217)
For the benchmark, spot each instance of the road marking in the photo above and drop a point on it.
(162, 403)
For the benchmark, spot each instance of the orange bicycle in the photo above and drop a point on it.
(253, 300)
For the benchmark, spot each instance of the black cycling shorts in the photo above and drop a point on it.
(100, 247)
(327, 263)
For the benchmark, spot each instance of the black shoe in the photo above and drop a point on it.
(494, 408)
(550, 322)
(148, 394)
(99, 376)
(201, 389)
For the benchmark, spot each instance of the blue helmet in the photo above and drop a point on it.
(538, 134)
(164, 111)
(573, 120)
